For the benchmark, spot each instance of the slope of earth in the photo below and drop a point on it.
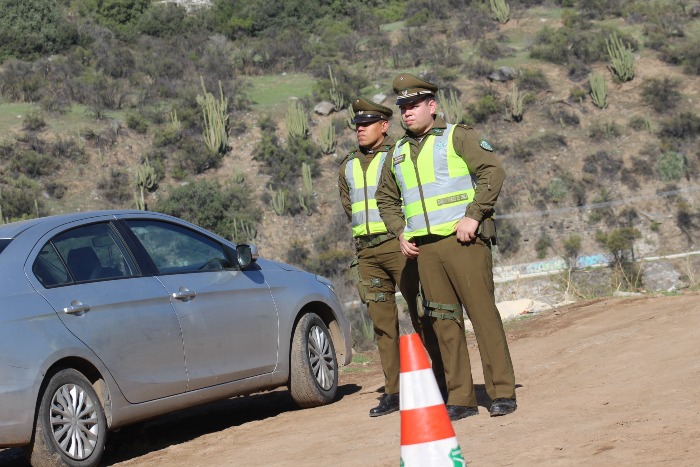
(612, 382)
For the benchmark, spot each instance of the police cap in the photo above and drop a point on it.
(410, 88)
(368, 111)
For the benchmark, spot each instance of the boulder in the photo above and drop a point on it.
(620, 293)
(324, 108)
(503, 74)
(379, 98)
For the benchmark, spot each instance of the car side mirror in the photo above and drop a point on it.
(246, 254)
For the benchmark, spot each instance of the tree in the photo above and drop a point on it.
(619, 242)
(572, 247)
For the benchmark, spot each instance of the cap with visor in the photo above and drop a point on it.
(367, 111)
(410, 88)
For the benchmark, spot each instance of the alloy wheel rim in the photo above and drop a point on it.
(74, 421)
(321, 358)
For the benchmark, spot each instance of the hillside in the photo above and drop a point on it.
(83, 112)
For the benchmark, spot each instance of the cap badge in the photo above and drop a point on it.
(361, 112)
(401, 78)
(404, 92)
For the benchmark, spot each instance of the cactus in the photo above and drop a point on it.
(238, 176)
(501, 9)
(451, 107)
(297, 121)
(36, 207)
(1, 218)
(622, 59)
(139, 202)
(515, 103)
(599, 90)
(101, 156)
(517, 205)
(247, 232)
(215, 119)
(350, 116)
(336, 96)
(647, 123)
(146, 177)
(580, 100)
(326, 136)
(277, 202)
(306, 172)
(530, 199)
(561, 123)
(302, 203)
(176, 123)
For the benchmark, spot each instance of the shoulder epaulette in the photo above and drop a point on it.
(466, 127)
(438, 131)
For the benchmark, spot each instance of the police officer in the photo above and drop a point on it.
(381, 264)
(449, 180)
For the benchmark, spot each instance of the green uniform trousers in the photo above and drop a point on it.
(386, 262)
(454, 272)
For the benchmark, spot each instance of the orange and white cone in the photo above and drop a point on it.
(427, 436)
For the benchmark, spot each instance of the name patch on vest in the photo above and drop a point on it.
(399, 158)
(453, 199)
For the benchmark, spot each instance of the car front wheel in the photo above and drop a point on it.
(313, 378)
(70, 427)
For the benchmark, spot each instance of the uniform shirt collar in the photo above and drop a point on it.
(438, 124)
(384, 147)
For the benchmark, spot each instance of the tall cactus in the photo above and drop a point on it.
(336, 96)
(622, 59)
(247, 232)
(140, 202)
(515, 103)
(599, 90)
(501, 9)
(146, 176)
(304, 206)
(238, 176)
(350, 116)
(175, 122)
(306, 172)
(278, 201)
(215, 119)
(297, 121)
(326, 136)
(451, 107)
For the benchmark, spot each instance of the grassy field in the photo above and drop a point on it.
(272, 92)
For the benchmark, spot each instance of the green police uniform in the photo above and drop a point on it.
(381, 264)
(444, 175)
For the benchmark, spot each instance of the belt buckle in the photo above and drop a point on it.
(380, 296)
(375, 283)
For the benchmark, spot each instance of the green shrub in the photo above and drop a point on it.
(572, 247)
(685, 125)
(479, 69)
(115, 187)
(484, 108)
(602, 165)
(508, 237)
(556, 189)
(34, 121)
(55, 189)
(532, 80)
(137, 122)
(607, 129)
(638, 122)
(210, 205)
(19, 203)
(166, 136)
(542, 245)
(662, 95)
(194, 157)
(33, 164)
(70, 149)
(671, 166)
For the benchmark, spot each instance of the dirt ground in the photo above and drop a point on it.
(611, 382)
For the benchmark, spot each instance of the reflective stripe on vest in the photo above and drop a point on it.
(444, 178)
(365, 214)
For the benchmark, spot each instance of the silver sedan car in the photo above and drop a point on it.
(110, 318)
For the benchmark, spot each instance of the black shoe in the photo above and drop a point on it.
(458, 412)
(445, 394)
(503, 406)
(389, 403)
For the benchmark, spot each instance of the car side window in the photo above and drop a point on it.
(94, 252)
(49, 268)
(175, 249)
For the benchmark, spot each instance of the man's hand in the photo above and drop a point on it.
(466, 229)
(409, 249)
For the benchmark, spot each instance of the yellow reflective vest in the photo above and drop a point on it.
(363, 186)
(436, 188)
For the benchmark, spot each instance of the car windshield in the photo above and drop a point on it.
(3, 243)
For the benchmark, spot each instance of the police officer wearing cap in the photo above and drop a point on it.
(380, 265)
(449, 180)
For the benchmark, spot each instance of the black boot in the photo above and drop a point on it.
(458, 412)
(389, 403)
(503, 406)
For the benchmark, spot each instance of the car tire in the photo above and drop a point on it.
(313, 378)
(70, 427)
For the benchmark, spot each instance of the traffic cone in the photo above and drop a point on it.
(427, 436)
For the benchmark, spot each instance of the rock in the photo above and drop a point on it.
(660, 275)
(324, 108)
(620, 293)
(378, 98)
(503, 74)
(513, 308)
(564, 303)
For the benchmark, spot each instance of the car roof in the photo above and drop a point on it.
(13, 229)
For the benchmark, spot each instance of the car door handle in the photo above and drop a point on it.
(182, 294)
(76, 309)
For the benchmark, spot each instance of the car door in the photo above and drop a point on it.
(228, 316)
(93, 282)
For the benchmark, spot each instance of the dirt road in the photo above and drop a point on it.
(616, 382)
